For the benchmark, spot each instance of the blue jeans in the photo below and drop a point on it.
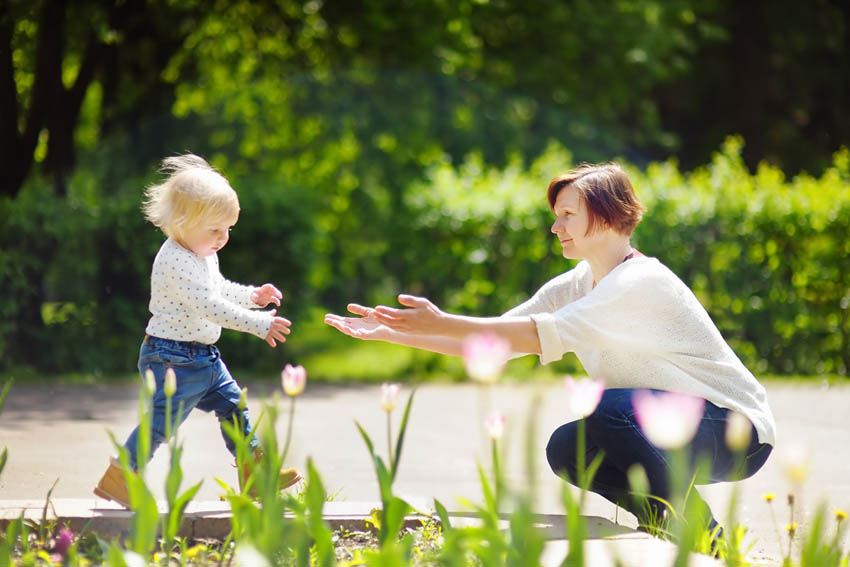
(612, 428)
(203, 382)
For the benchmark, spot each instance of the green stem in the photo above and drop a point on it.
(168, 418)
(390, 438)
(581, 459)
(497, 473)
(288, 429)
(484, 404)
(683, 525)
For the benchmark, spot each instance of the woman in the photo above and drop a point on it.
(630, 321)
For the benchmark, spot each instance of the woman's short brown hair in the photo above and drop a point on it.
(607, 193)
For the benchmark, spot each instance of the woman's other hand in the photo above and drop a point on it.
(365, 327)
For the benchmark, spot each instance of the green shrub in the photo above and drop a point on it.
(766, 255)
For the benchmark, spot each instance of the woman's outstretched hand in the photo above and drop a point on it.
(421, 318)
(365, 327)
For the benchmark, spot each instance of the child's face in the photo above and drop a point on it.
(207, 238)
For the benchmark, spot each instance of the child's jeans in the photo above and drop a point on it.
(203, 382)
(612, 428)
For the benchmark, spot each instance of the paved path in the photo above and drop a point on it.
(59, 432)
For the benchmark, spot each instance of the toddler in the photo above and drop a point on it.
(190, 302)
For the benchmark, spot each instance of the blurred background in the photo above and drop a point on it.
(386, 146)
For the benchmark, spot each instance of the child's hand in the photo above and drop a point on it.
(267, 294)
(278, 330)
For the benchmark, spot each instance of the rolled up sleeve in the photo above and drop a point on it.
(551, 347)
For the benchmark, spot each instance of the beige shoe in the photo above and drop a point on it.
(286, 478)
(112, 485)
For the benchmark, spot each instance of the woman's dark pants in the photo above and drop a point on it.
(612, 429)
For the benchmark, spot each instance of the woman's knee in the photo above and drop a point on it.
(561, 449)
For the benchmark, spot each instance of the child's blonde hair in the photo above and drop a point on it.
(194, 191)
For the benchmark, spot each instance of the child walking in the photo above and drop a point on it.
(190, 302)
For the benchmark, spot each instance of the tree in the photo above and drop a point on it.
(779, 75)
(53, 51)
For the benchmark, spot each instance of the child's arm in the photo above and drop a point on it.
(206, 294)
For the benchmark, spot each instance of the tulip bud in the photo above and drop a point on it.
(738, 432)
(485, 356)
(389, 396)
(794, 461)
(293, 379)
(583, 395)
(243, 399)
(170, 386)
(150, 382)
(495, 425)
(668, 419)
(638, 481)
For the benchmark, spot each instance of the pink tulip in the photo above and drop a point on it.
(389, 396)
(485, 356)
(583, 395)
(668, 419)
(293, 379)
(495, 425)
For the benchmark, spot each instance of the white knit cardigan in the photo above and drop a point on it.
(642, 327)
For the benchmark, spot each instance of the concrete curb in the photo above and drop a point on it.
(202, 520)
(608, 544)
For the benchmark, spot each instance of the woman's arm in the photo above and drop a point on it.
(367, 327)
(425, 326)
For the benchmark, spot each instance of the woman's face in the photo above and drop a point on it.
(570, 226)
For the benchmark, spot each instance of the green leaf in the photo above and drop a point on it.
(489, 496)
(392, 519)
(401, 433)
(144, 522)
(178, 509)
(319, 531)
(385, 482)
(443, 514)
(366, 438)
(5, 392)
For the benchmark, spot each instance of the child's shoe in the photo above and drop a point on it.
(286, 478)
(112, 485)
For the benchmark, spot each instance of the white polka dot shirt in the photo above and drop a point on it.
(191, 300)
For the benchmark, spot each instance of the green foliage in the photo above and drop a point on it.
(177, 502)
(390, 518)
(763, 253)
(819, 548)
(3, 393)
(363, 138)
